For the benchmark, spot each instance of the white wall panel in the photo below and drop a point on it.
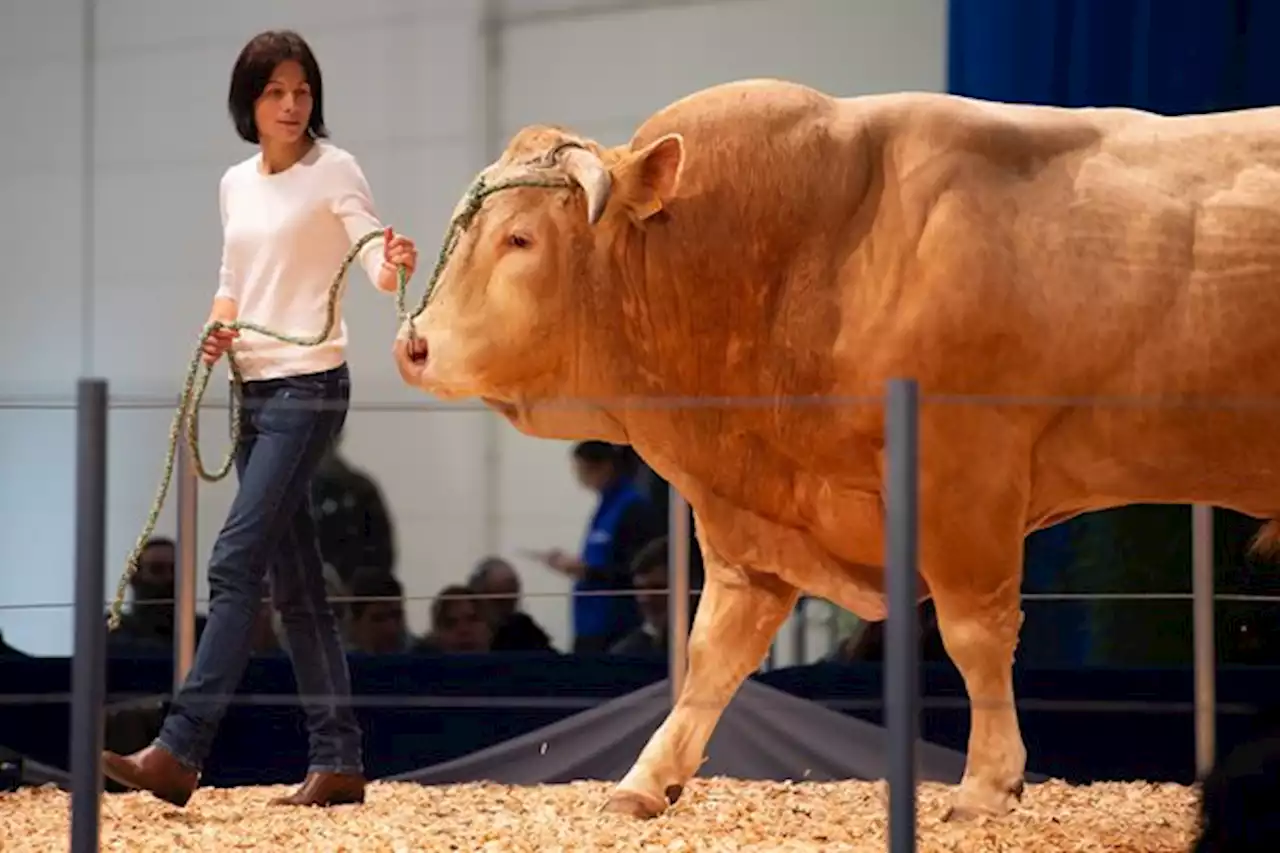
(611, 71)
(36, 528)
(43, 102)
(41, 256)
(132, 25)
(44, 32)
(41, 162)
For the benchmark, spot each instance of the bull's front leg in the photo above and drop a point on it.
(738, 617)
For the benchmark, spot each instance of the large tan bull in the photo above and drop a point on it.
(759, 247)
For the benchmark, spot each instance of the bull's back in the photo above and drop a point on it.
(992, 230)
(1164, 245)
(1146, 263)
(1113, 251)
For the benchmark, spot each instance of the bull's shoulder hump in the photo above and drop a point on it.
(750, 100)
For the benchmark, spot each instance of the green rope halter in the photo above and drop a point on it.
(197, 379)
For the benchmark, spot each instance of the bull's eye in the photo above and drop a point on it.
(518, 241)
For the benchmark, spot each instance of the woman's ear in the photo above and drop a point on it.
(648, 178)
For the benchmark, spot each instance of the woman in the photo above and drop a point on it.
(290, 213)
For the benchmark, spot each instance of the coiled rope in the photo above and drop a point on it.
(198, 373)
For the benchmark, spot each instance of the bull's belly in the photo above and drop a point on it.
(1094, 459)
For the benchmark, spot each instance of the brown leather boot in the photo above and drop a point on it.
(154, 770)
(326, 789)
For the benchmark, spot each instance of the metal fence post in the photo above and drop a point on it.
(902, 664)
(184, 605)
(1202, 586)
(88, 666)
(678, 603)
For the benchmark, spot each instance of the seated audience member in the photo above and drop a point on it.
(457, 626)
(622, 523)
(512, 629)
(149, 621)
(650, 579)
(377, 625)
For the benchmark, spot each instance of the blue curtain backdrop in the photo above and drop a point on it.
(1167, 56)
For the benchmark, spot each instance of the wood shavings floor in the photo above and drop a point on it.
(713, 815)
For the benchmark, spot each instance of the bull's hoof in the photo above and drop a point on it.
(973, 802)
(634, 804)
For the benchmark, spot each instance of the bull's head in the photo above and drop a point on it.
(539, 252)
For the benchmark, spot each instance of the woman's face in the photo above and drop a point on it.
(284, 107)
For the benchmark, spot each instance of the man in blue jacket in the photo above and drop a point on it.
(623, 522)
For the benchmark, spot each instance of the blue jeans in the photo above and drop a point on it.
(269, 535)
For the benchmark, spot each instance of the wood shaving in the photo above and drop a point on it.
(713, 815)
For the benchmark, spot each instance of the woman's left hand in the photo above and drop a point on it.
(398, 251)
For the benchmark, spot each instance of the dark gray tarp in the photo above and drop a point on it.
(33, 773)
(764, 734)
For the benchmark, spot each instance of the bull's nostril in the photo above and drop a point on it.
(418, 351)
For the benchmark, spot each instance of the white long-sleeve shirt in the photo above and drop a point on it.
(284, 237)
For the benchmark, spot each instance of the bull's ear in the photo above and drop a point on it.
(649, 177)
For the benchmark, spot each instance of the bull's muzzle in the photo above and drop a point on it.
(411, 358)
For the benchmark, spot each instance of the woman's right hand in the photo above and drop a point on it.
(216, 343)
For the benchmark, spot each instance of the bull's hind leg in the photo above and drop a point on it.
(980, 631)
(971, 555)
(738, 617)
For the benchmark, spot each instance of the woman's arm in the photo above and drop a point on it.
(226, 299)
(353, 203)
(226, 308)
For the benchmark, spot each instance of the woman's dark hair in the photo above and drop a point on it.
(253, 69)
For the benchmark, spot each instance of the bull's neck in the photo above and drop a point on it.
(690, 321)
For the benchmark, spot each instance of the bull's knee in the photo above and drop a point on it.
(980, 641)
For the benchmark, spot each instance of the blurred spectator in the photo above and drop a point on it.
(658, 491)
(650, 578)
(377, 624)
(149, 619)
(512, 630)
(623, 522)
(457, 625)
(354, 526)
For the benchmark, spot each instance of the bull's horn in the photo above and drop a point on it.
(589, 172)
